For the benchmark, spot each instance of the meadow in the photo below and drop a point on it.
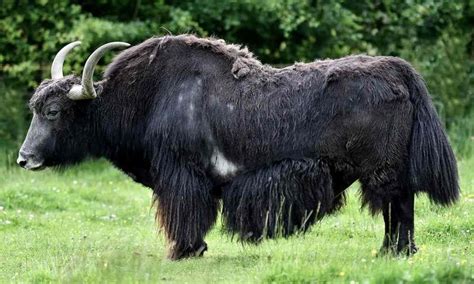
(92, 224)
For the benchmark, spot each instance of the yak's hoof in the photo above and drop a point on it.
(201, 250)
(176, 253)
(389, 246)
(387, 250)
(408, 249)
(398, 250)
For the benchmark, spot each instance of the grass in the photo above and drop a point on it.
(93, 224)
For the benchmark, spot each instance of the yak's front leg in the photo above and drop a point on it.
(186, 211)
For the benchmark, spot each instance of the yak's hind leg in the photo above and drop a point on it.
(387, 191)
(186, 211)
(278, 200)
(398, 215)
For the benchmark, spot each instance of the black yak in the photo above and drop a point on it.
(202, 122)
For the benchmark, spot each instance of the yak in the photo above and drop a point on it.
(210, 128)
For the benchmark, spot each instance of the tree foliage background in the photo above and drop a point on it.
(436, 36)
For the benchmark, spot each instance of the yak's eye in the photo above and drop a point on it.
(52, 114)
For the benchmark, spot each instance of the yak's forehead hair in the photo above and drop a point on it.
(51, 88)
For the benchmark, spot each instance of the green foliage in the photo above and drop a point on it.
(31, 33)
(462, 134)
(12, 121)
(435, 36)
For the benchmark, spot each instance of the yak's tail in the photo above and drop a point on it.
(432, 165)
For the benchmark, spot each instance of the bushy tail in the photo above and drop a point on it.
(432, 162)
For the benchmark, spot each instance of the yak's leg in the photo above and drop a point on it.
(406, 231)
(398, 215)
(186, 211)
(383, 191)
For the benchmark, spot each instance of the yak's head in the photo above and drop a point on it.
(58, 130)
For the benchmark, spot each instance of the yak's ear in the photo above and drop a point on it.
(98, 88)
(77, 92)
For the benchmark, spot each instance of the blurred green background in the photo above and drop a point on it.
(436, 36)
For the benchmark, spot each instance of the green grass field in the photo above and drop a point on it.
(93, 224)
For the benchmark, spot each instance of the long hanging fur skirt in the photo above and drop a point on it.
(279, 200)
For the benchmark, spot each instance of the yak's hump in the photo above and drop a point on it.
(243, 61)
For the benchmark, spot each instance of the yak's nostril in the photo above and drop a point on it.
(23, 159)
(21, 162)
(29, 161)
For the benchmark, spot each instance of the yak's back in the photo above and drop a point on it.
(378, 78)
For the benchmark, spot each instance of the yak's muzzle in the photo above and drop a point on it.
(29, 161)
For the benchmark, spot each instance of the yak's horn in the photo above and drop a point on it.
(86, 89)
(57, 66)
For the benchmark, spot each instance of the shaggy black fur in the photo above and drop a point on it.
(191, 117)
(278, 200)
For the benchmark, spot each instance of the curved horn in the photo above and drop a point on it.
(57, 66)
(86, 89)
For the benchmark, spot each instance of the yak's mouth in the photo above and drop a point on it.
(36, 167)
(30, 164)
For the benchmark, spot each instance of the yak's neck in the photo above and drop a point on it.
(118, 126)
(117, 137)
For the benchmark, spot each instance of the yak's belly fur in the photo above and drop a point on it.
(277, 200)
